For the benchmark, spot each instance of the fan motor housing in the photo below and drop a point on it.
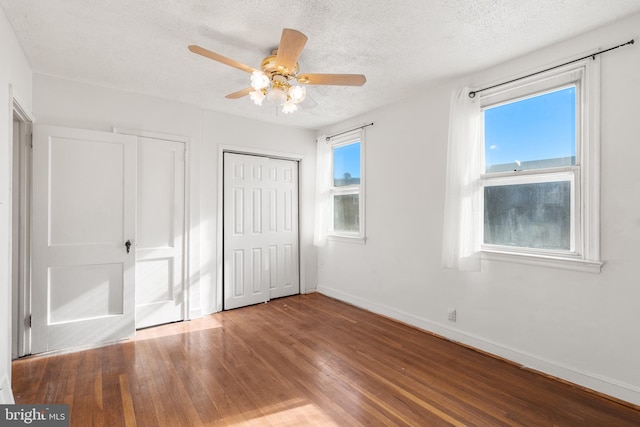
(269, 66)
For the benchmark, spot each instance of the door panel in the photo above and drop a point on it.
(87, 188)
(160, 232)
(83, 213)
(260, 229)
(84, 292)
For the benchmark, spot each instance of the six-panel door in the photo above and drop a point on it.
(260, 229)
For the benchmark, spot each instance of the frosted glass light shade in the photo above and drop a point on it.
(257, 96)
(259, 80)
(277, 96)
(289, 107)
(297, 93)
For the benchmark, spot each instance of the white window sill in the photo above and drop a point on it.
(347, 239)
(545, 261)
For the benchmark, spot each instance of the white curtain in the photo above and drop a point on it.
(323, 182)
(462, 216)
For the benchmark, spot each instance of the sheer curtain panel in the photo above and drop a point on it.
(323, 181)
(462, 216)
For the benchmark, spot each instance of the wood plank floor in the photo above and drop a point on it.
(306, 360)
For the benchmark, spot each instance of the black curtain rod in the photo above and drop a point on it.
(328, 138)
(472, 94)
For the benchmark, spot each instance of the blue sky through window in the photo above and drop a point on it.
(538, 128)
(346, 159)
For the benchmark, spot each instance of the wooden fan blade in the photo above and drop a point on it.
(291, 44)
(217, 57)
(239, 94)
(332, 79)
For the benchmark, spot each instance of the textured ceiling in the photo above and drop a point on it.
(141, 45)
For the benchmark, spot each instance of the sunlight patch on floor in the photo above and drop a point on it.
(308, 414)
(200, 324)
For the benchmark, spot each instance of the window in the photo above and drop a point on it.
(540, 168)
(522, 206)
(347, 180)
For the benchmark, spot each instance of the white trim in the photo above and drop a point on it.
(561, 262)
(150, 134)
(546, 82)
(23, 343)
(347, 138)
(345, 134)
(351, 137)
(302, 253)
(585, 209)
(600, 383)
(544, 175)
(347, 239)
(258, 152)
(186, 224)
(591, 163)
(6, 396)
(516, 175)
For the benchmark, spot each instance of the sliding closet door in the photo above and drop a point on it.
(261, 258)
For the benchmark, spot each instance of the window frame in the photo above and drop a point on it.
(349, 138)
(584, 253)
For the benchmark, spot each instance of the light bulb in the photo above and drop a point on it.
(259, 80)
(257, 96)
(289, 106)
(297, 93)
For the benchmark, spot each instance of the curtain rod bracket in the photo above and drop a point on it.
(473, 93)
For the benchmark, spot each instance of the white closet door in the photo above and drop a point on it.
(160, 232)
(84, 197)
(261, 258)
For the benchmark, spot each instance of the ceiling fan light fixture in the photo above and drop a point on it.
(289, 106)
(257, 96)
(259, 80)
(278, 80)
(277, 96)
(297, 93)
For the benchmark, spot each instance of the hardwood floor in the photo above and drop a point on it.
(303, 360)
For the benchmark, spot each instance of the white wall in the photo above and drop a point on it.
(582, 327)
(15, 73)
(66, 103)
(228, 131)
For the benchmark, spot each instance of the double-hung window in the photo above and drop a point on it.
(347, 183)
(540, 170)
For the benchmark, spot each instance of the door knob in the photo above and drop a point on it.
(128, 245)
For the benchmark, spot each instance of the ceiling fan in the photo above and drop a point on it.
(278, 74)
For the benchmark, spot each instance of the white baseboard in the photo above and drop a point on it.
(599, 383)
(6, 396)
(195, 313)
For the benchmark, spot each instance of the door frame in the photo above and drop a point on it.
(220, 216)
(20, 291)
(186, 270)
